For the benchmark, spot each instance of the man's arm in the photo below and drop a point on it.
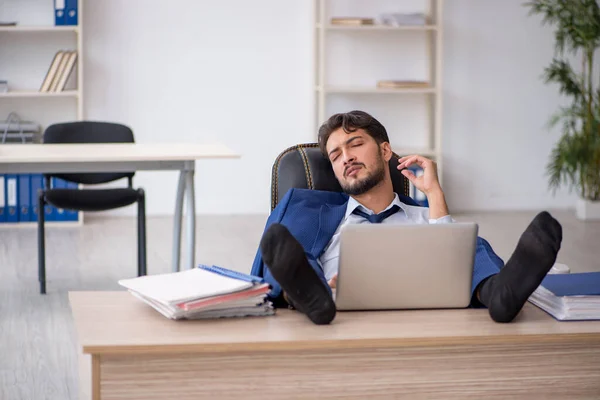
(428, 183)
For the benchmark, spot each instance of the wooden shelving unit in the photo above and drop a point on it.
(432, 33)
(37, 44)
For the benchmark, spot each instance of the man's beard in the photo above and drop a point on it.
(368, 183)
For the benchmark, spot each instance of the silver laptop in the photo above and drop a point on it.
(393, 267)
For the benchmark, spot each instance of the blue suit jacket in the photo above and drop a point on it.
(312, 217)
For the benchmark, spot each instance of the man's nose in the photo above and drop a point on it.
(348, 157)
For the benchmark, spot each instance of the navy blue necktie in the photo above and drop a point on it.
(377, 218)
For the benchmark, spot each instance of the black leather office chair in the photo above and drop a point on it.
(90, 199)
(304, 167)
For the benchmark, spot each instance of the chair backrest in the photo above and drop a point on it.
(303, 166)
(89, 132)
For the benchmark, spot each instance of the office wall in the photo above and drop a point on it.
(242, 73)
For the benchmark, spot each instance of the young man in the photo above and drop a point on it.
(299, 250)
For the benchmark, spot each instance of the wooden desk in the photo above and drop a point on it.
(130, 351)
(119, 157)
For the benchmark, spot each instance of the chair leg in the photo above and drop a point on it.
(141, 233)
(41, 243)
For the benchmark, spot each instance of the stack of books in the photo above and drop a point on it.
(203, 292)
(352, 21)
(569, 297)
(402, 84)
(60, 70)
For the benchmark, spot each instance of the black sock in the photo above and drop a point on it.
(286, 260)
(505, 294)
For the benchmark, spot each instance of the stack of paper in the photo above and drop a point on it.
(569, 296)
(203, 292)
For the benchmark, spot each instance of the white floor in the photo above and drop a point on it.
(37, 338)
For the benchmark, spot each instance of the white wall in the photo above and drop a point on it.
(242, 73)
(195, 71)
(496, 107)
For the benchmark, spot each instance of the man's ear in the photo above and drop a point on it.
(386, 151)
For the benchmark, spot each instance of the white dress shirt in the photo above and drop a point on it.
(407, 214)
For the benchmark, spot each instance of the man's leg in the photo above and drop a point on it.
(301, 280)
(504, 293)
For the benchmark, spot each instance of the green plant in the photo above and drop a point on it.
(575, 159)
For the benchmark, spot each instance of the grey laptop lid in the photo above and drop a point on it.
(386, 267)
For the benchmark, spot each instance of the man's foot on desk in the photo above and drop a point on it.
(285, 257)
(506, 292)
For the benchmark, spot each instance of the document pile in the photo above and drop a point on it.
(203, 292)
(569, 297)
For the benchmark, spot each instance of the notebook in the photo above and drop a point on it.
(202, 292)
(569, 297)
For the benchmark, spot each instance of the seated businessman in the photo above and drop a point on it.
(299, 251)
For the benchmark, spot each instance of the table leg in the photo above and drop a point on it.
(191, 217)
(177, 220)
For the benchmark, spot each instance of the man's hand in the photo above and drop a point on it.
(333, 282)
(428, 182)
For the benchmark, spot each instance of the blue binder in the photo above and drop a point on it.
(71, 215)
(49, 210)
(36, 184)
(2, 199)
(71, 12)
(574, 284)
(24, 199)
(60, 17)
(11, 190)
(59, 214)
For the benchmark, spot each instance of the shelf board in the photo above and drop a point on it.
(374, 90)
(405, 151)
(40, 28)
(383, 28)
(31, 93)
(47, 224)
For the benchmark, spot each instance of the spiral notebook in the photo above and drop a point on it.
(202, 292)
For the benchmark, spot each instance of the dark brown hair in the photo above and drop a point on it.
(350, 122)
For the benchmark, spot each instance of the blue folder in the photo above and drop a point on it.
(59, 214)
(24, 199)
(60, 17)
(71, 12)
(574, 284)
(71, 215)
(11, 190)
(36, 184)
(2, 199)
(232, 274)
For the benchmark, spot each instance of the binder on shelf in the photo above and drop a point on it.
(2, 199)
(12, 207)
(60, 17)
(49, 210)
(24, 199)
(71, 12)
(71, 215)
(59, 213)
(37, 183)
